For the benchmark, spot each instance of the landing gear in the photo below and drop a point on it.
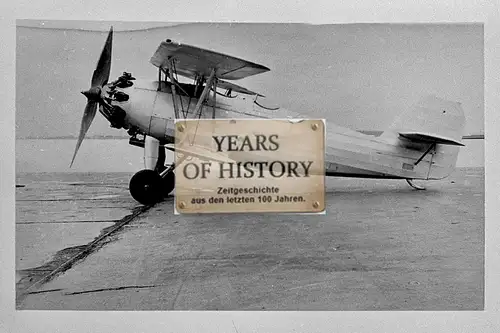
(415, 186)
(165, 172)
(146, 187)
(160, 165)
(151, 186)
(168, 183)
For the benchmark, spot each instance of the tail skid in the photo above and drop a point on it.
(415, 186)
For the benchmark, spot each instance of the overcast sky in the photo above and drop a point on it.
(357, 75)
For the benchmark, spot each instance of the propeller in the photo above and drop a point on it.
(99, 79)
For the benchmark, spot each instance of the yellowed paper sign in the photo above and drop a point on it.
(250, 165)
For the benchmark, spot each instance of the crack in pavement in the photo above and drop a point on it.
(66, 258)
(70, 199)
(44, 291)
(114, 288)
(69, 221)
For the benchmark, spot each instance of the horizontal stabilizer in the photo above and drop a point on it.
(430, 138)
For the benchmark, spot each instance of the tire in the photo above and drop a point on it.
(146, 187)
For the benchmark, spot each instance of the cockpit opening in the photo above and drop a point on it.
(192, 90)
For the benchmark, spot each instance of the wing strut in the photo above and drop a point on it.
(215, 96)
(211, 83)
(205, 91)
(174, 94)
(197, 110)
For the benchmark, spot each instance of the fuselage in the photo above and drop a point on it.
(348, 153)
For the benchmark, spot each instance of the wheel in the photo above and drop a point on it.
(168, 183)
(146, 187)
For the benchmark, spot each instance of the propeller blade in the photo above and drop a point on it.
(88, 117)
(101, 73)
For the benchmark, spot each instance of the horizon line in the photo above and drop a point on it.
(152, 25)
(121, 137)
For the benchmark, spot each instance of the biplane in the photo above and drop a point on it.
(422, 143)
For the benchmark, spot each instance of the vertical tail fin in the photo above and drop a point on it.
(432, 120)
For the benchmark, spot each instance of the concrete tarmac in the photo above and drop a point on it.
(59, 214)
(381, 246)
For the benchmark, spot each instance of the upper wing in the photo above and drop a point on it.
(192, 61)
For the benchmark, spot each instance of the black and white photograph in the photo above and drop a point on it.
(404, 222)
